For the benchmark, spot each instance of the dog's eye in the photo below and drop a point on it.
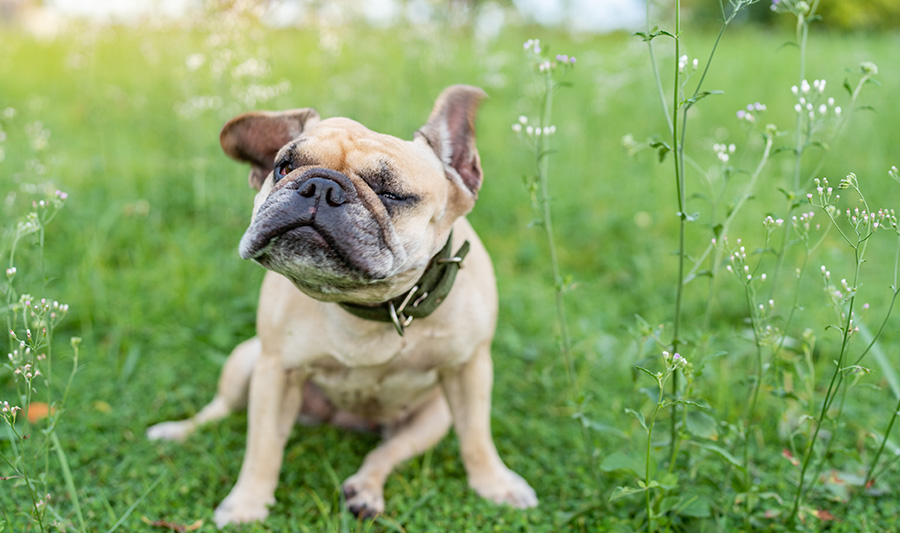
(282, 169)
(394, 200)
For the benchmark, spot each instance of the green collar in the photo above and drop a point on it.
(426, 295)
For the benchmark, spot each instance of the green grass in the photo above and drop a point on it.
(145, 254)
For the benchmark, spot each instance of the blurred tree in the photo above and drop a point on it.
(861, 14)
(850, 15)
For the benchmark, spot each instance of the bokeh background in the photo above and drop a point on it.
(120, 104)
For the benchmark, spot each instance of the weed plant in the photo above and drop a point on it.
(782, 356)
(32, 415)
(144, 253)
(536, 134)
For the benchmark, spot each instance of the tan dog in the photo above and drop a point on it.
(363, 225)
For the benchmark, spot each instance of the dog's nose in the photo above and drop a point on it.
(323, 188)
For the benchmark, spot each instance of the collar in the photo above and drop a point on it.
(426, 295)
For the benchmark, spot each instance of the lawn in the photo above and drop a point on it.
(145, 254)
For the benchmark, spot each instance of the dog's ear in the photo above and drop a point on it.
(256, 137)
(450, 132)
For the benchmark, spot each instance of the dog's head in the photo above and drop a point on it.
(348, 214)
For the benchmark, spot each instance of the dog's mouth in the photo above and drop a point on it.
(283, 212)
(255, 245)
(297, 237)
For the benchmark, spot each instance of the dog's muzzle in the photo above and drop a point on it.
(318, 194)
(324, 184)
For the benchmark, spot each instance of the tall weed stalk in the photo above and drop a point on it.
(32, 412)
(537, 134)
(819, 122)
(681, 105)
(857, 231)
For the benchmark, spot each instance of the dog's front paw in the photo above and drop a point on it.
(506, 487)
(364, 500)
(240, 507)
(174, 431)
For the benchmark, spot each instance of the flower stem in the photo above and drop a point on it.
(659, 404)
(543, 174)
(678, 144)
(659, 88)
(870, 475)
(836, 378)
(678, 156)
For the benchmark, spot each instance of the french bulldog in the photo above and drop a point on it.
(365, 317)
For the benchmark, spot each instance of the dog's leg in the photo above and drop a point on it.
(364, 490)
(468, 390)
(231, 395)
(275, 398)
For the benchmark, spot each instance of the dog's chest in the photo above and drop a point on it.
(382, 393)
(365, 367)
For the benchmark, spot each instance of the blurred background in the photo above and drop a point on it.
(119, 104)
(47, 16)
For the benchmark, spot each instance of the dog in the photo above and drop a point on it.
(366, 318)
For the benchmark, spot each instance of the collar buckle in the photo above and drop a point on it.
(445, 260)
(419, 302)
(401, 321)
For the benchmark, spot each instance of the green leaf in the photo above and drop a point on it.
(645, 371)
(717, 230)
(787, 194)
(546, 153)
(848, 87)
(721, 452)
(784, 149)
(642, 324)
(770, 496)
(654, 33)
(660, 145)
(667, 504)
(701, 404)
(702, 425)
(656, 141)
(652, 393)
(700, 96)
(70, 481)
(663, 151)
(640, 417)
(716, 355)
(566, 518)
(699, 196)
(650, 359)
(705, 273)
(134, 505)
(619, 461)
(621, 492)
(696, 506)
(668, 481)
(817, 144)
(598, 426)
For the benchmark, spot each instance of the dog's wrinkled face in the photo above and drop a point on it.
(347, 208)
(349, 214)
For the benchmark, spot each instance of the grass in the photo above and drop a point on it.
(145, 255)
